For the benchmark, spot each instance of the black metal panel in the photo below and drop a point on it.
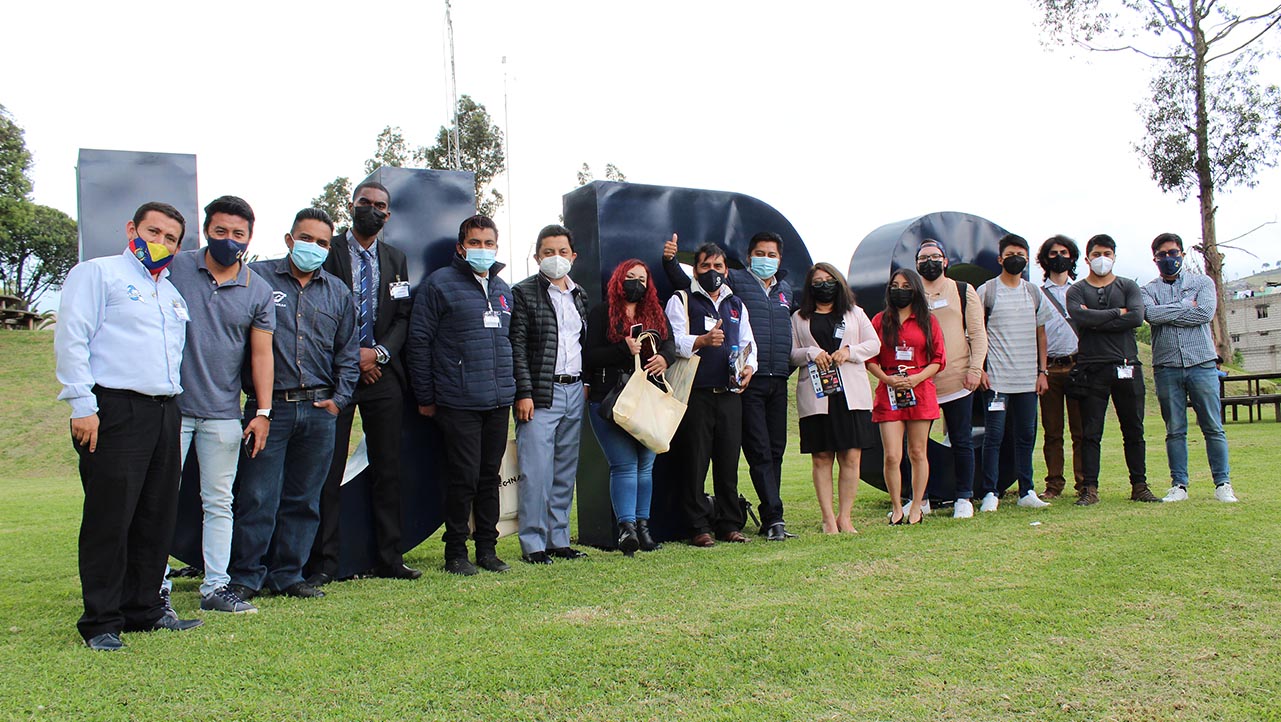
(111, 184)
(613, 222)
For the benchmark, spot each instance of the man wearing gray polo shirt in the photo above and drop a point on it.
(1180, 305)
(232, 318)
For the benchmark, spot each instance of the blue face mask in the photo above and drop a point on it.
(1169, 266)
(226, 251)
(764, 267)
(480, 259)
(308, 256)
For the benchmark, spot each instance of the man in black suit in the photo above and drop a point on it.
(379, 279)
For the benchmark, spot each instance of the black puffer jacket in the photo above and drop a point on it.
(534, 337)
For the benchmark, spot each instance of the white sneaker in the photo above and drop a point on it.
(1223, 492)
(990, 502)
(1178, 493)
(963, 509)
(1031, 501)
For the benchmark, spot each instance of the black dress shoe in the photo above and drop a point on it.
(460, 566)
(245, 593)
(536, 558)
(628, 539)
(775, 533)
(302, 590)
(319, 579)
(491, 563)
(566, 553)
(174, 624)
(109, 642)
(400, 571)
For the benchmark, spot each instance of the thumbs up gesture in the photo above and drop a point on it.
(714, 338)
(669, 249)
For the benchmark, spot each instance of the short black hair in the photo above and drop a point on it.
(551, 232)
(232, 206)
(163, 209)
(314, 214)
(765, 237)
(1165, 238)
(473, 223)
(1101, 239)
(1010, 239)
(708, 250)
(1043, 254)
(370, 184)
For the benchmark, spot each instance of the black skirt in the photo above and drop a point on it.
(839, 429)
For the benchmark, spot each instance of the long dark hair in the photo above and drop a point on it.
(648, 312)
(920, 308)
(844, 300)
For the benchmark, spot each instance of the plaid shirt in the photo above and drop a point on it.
(1180, 314)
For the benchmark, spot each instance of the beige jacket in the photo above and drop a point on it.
(964, 353)
(863, 344)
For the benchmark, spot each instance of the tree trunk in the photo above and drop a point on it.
(1205, 184)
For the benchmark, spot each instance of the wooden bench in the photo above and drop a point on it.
(1253, 400)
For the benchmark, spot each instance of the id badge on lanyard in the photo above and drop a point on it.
(904, 353)
(493, 320)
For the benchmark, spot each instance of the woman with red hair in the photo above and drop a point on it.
(630, 305)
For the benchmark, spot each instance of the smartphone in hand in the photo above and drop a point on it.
(636, 330)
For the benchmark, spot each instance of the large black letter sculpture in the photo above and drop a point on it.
(613, 222)
(110, 184)
(971, 255)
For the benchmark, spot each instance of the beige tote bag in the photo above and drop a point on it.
(650, 414)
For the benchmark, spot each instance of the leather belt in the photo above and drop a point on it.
(566, 379)
(319, 393)
(1061, 360)
(719, 390)
(131, 394)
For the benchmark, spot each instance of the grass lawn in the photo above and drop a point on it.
(1121, 611)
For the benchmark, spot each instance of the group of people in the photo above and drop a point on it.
(156, 346)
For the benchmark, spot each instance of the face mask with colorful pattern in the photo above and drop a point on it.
(153, 256)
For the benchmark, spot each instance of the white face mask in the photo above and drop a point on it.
(555, 267)
(1101, 265)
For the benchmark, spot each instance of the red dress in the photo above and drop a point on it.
(927, 405)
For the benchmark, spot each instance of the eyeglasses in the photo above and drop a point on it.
(931, 257)
(1103, 297)
(1169, 254)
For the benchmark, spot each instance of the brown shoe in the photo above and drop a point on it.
(1049, 494)
(703, 540)
(1141, 492)
(734, 537)
(1088, 497)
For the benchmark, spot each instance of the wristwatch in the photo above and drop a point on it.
(1043, 372)
(264, 412)
(381, 355)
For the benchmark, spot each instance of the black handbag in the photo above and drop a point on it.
(1078, 383)
(606, 409)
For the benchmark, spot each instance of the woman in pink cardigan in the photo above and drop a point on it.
(831, 338)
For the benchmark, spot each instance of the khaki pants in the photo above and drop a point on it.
(1052, 407)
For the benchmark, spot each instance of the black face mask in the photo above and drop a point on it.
(711, 280)
(930, 270)
(1014, 265)
(1059, 264)
(901, 297)
(367, 220)
(633, 290)
(824, 291)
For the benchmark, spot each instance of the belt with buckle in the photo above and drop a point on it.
(1061, 360)
(131, 394)
(319, 393)
(566, 379)
(719, 389)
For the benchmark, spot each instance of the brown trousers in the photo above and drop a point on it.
(1052, 406)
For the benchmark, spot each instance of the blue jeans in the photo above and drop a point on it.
(958, 414)
(278, 503)
(631, 468)
(1020, 413)
(1175, 388)
(218, 452)
(547, 447)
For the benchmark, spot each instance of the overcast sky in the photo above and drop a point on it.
(843, 116)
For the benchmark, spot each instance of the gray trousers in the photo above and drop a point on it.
(548, 450)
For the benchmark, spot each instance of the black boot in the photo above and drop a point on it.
(647, 543)
(628, 542)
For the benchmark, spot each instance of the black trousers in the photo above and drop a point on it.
(1127, 399)
(131, 502)
(474, 445)
(710, 435)
(381, 415)
(764, 441)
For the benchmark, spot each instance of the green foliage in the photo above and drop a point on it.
(37, 250)
(612, 173)
(15, 161)
(334, 199)
(480, 151)
(1144, 334)
(392, 150)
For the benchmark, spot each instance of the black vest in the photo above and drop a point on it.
(713, 366)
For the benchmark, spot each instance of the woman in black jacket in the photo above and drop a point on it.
(630, 305)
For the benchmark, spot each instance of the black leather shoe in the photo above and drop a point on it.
(647, 543)
(628, 540)
(109, 642)
(775, 533)
(302, 590)
(461, 566)
(245, 593)
(536, 558)
(566, 553)
(319, 579)
(491, 563)
(174, 624)
(400, 571)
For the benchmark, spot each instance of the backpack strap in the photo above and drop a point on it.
(989, 299)
(963, 289)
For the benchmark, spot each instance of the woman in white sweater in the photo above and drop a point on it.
(832, 337)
